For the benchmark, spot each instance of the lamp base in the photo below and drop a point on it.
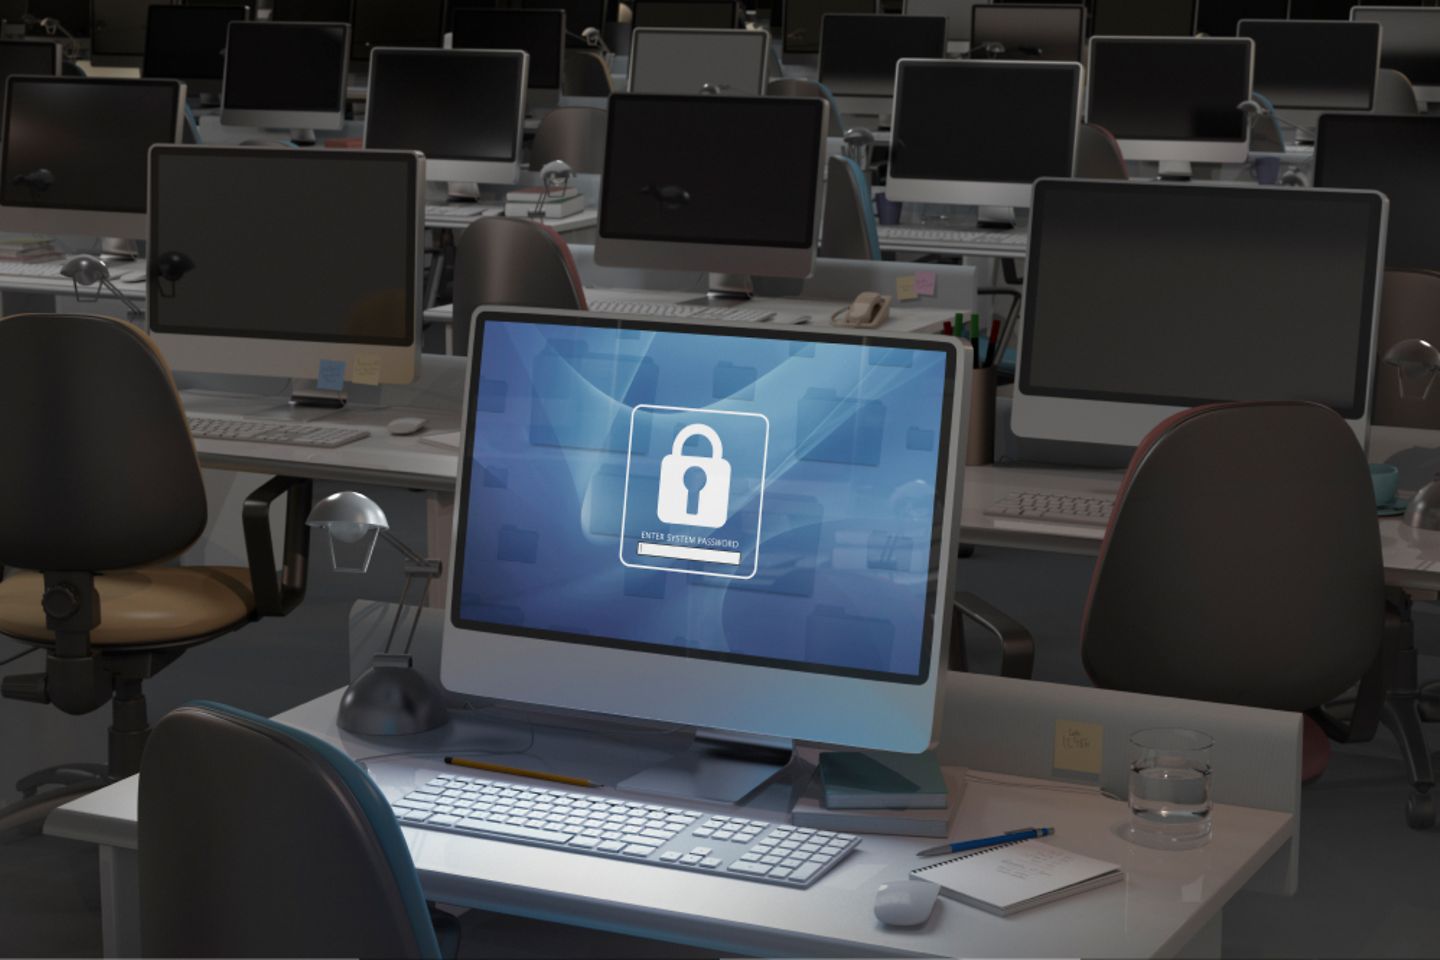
(391, 699)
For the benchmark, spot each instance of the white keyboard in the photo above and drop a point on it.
(586, 822)
(678, 311)
(457, 211)
(1032, 505)
(271, 431)
(957, 238)
(50, 268)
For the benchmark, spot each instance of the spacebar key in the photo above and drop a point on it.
(512, 830)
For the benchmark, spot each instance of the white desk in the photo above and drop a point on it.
(577, 228)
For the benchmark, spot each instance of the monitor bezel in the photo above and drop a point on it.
(1370, 105)
(535, 95)
(450, 169)
(730, 694)
(1427, 92)
(1075, 10)
(58, 57)
(1095, 5)
(281, 119)
(228, 352)
(736, 37)
(979, 192)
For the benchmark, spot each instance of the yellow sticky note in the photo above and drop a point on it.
(905, 288)
(366, 370)
(1078, 746)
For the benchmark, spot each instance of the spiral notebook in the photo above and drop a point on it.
(1016, 876)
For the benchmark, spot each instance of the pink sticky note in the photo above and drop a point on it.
(925, 283)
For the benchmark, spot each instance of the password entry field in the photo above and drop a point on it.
(698, 554)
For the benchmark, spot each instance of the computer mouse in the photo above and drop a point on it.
(405, 426)
(905, 903)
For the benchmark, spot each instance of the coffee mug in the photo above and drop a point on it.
(1385, 478)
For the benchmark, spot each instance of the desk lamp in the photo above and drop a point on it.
(1417, 362)
(390, 698)
(859, 145)
(88, 271)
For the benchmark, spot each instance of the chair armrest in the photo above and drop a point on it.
(1017, 647)
(277, 593)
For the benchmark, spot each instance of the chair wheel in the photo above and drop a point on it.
(1420, 810)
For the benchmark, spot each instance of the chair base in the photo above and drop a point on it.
(28, 814)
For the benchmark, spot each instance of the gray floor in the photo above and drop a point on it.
(1370, 886)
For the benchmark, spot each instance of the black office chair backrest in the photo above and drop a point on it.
(98, 470)
(573, 134)
(257, 840)
(1242, 564)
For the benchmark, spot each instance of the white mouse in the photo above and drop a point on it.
(905, 903)
(405, 426)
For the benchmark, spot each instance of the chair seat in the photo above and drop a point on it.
(149, 605)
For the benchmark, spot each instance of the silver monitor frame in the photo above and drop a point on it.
(733, 38)
(454, 169)
(1181, 151)
(1427, 93)
(979, 192)
(734, 697)
(284, 119)
(1312, 113)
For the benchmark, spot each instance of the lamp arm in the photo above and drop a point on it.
(136, 314)
(405, 551)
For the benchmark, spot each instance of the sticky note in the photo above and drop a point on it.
(1078, 746)
(367, 370)
(925, 283)
(331, 376)
(905, 288)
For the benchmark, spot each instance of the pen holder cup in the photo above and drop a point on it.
(980, 442)
(887, 211)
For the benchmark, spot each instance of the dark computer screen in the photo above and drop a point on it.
(1156, 89)
(1025, 115)
(395, 23)
(1410, 42)
(802, 21)
(858, 52)
(1315, 64)
(331, 232)
(580, 15)
(1218, 18)
(311, 11)
(117, 27)
(690, 186)
(692, 14)
(80, 144)
(1397, 155)
(188, 43)
(1029, 32)
(1143, 18)
(540, 33)
(27, 58)
(447, 104)
(312, 79)
(1321, 9)
(74, 15)
(1183, 295)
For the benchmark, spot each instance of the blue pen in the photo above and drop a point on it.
(1010, 836)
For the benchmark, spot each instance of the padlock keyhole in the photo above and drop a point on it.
(695, 479)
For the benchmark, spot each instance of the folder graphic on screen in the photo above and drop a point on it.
(839, 430)
(733, 381)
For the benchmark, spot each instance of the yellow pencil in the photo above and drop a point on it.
(517, 772)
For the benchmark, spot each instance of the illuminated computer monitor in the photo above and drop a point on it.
(463, 109)
(35, 58)
(685, 202)
(1054, 32)
(312, 11)
(694, 14)
(283, 75)
(1142, 18)
(955, 12)
(1026, 114)
(268, 262)
(1143, 299)
(858, 53)
(394, 23)
(1306, 66)
(802, 595)
(540, 33)
(73, 159)
(188, 43)
(1219, 18)
(117, 31)
(728, 62)
(1173, 99)
(1409, 43)
(802, 21)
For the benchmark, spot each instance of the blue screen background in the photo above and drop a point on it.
(836, 558)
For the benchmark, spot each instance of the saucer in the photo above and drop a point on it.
(1394, 508)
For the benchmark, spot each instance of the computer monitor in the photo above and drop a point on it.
(117, 31)
(1026, 116)
(36, 58)
(394, 23)
(72, 158)
(806, 598)
(955, 12)
(270, 262)
(1143, 299)
(1173, 99)
(463, 109)
(1409, 43)
(728, 62)
(685, 201)
(1054, 32)
(858, 53)
(1321, 9)
(540, 33)
(1142, 18)
(802, 18)
(312, 11)
(580, 15)
(188, 43)
(307, 92)
(1219, 18)
(1315, 65)
(1397, 155)
(692, 14)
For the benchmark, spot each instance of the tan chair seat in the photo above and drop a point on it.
(139, 607)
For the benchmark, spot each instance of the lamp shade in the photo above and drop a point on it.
(348, 516)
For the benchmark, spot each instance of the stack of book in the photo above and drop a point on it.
(874, 792)
(28, 250)
(563, 203)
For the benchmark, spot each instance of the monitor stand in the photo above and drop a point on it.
(310, 395)
(721, 766)
(725, 287)
(302, 137)
(996, 218)
(1175, 170)
(118, 250)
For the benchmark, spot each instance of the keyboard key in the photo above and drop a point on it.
(638, 850)
(520, 833)
(670, 856)
(804, 872)
(752, 869)
(710, 863)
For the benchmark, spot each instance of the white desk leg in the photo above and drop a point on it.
(119, 902)
(1206, 943)
(439, 518)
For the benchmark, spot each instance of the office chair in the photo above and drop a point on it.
(99, 489)
(1098, 156)
(1394, 93)
(283, 848)
(573, 134)
(848, 229)
(798, 87)
(512, 262)
(585, 74)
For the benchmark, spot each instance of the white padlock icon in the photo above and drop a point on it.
(695, 491)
